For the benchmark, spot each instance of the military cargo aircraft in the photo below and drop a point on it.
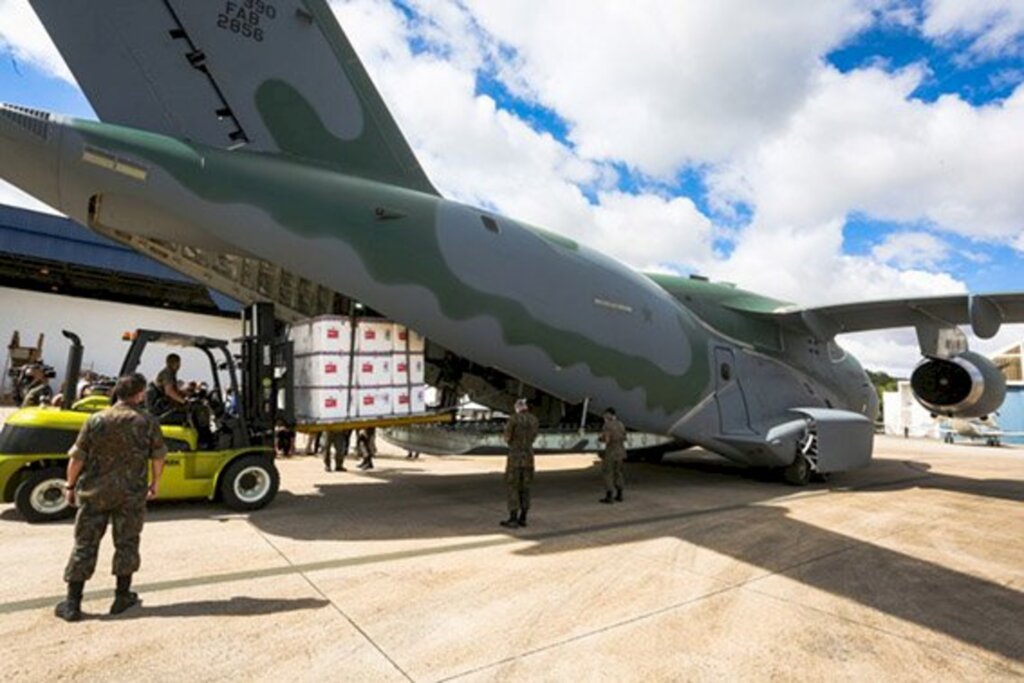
(251, 127)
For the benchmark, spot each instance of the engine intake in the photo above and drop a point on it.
(967, 385)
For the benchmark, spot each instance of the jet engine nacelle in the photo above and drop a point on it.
(966, 385)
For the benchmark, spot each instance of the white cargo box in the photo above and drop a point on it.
(372, 402)
(403, 335)
(321, 404)
(322, 370)
(409, 400)
(401, 400)
(372, 371)
(325, 334)
(401, 367)
(419, 400)
(374, 336)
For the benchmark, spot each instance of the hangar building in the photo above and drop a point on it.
(56, 274)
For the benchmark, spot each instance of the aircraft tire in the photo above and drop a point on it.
(249, 483)
(40, 496)
(798, 473)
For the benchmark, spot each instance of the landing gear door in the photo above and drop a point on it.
(732, 404)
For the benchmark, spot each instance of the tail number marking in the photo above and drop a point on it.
(244, 17)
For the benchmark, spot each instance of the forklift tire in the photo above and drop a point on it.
(40, 496)
(249, 482)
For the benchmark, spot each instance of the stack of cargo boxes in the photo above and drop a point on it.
(372, 370)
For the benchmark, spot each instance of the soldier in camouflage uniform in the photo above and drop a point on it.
(39, 392)
(613, 436)
(520, 433)
(106, 478)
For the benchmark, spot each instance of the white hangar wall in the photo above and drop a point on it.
(100, 324)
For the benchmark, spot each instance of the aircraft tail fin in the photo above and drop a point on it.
(273, 76)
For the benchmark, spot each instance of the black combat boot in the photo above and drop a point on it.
(124, 598)
(618, 495)
(512, 522)
(70, 609)
(522, 517)
(607, 498)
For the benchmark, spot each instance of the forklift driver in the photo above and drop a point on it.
(170, 406)
(163, 398)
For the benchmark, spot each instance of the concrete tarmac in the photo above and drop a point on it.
(912, 569)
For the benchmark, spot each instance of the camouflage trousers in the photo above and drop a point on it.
(612, 473)
(517, 487)
(90, 527)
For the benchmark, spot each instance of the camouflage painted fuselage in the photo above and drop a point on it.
(673, 356)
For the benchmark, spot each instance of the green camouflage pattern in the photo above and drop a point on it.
(520, 432)
(116, 446)
(613, 436)
(91, 521)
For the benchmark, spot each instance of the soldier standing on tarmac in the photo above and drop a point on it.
(106, 478)
(520, 433)
(614, 438)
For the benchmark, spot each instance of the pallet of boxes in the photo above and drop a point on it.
(358, 371)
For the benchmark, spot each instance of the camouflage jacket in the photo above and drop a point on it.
(38, 394)
(614, 438)
(116, 446)
(520, 432)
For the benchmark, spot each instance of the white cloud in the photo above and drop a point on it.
(672, 83)
(860, 144)
(912, 250)
(23, 35)
(995, 27)
(13, 196)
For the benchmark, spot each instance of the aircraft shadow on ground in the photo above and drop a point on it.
(737, 524)
(238, 606)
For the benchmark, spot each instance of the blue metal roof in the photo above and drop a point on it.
(40, 235)
(55, 238)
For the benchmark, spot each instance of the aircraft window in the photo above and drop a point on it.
(726, 371)
(490, 224)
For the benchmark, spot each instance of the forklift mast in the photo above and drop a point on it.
(266, 372)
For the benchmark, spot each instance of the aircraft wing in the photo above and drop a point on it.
(269, 75)
(985, 313)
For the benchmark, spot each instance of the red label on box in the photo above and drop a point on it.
(330, 403)
(402, 367)
(367, 367)
(333, 333)
(331, 368)
(403, 335)
(403, 399)
(370, 334)
(368, 400)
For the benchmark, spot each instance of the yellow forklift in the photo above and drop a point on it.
(232, 462)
